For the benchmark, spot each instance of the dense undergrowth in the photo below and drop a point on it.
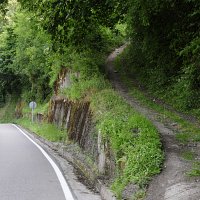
(164, 48)
(188, 130)
(133, 139)
(173, 93)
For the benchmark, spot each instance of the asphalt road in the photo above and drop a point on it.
(26, 171)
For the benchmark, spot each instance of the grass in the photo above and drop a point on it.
(134, 140)
(85, 88)
(188, 131)
(183, 138)
(188, 155)
(140, 195)
(45, 130)
(195, 171)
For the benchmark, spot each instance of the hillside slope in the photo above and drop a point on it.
(172, 183)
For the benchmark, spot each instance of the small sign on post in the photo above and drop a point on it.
(32, 106)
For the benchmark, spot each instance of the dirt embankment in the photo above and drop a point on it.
(172, 183)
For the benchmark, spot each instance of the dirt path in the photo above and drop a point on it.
(171, 183)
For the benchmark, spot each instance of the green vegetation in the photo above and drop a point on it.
(164, 48)
(195, 171)
(139, 195)
(39, 38)
(186, 131)
(47, 131)
(134, 140)
(83, 88)
(7, 111)
(188, 155)
(33, 50)
(77, 23)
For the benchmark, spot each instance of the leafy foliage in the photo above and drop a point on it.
(24, 51)
(134, 140)
(37, 42)
(32, 50)
(3, 1)
(164, 49)
(76, 22)
(9, 81)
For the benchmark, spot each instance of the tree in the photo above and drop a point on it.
(165, 42)
(9, 81)
(73, 22)
(33, 46)
(24, 49)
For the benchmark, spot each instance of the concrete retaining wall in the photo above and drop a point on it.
(76, 118)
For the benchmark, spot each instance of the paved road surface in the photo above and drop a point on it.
(26, 171)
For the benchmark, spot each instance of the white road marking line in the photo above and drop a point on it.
(63, 183)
